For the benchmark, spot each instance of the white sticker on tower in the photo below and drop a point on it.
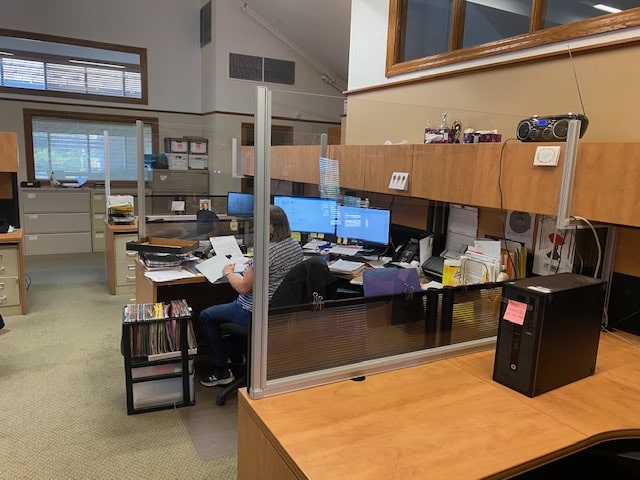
(399, 181)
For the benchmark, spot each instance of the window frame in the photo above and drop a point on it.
(537, 37)
(141, 52)
(28, 115)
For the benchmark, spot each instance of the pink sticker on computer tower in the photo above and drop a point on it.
(515, 312)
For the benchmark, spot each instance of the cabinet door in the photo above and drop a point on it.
(380, 164)
(8, 152)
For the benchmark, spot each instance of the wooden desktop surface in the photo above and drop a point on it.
(446, 419)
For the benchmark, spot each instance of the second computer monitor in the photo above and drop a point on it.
(367, 225)
(308, 215)
(240, 204)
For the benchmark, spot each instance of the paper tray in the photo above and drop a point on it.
(163, 245)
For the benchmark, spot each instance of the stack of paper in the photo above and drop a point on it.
(346, 267)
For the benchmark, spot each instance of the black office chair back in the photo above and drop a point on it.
(305, 283)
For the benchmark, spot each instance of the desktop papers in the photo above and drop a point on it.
(346, 266)
(227, 246)
(227, 251)
(462, 227)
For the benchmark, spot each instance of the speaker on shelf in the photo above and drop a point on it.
(549, 128)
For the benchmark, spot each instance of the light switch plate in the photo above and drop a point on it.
(546, 156)
(399, 181)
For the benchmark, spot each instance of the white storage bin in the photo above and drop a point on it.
(198, 147)
(178, 162)
(155, 393)
(175, 145)
(162, 369)
(198, 162)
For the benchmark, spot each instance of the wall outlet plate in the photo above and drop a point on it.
(399, 181)
(546, 156)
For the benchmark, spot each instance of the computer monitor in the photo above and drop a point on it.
(240, 204)
(309, 215)
(367, 225)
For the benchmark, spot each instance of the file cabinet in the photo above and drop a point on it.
(9, 278)
(120, 262)
(56, 221)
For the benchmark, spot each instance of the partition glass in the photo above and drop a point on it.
(350, 336)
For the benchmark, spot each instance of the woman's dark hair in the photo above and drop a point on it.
(280, 222)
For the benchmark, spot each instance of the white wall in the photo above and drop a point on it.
(168, 29)
(368, 47)
(237, 32)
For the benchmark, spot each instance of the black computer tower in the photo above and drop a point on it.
(557, 342)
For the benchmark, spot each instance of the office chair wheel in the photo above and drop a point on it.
(221, 400)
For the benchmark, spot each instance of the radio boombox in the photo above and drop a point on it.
(550, 128)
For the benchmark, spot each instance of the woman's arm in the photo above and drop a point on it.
(242, 284)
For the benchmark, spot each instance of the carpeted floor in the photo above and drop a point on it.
(62, 393)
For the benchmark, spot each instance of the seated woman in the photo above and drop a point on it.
(284, 253)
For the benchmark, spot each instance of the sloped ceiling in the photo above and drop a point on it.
(319, 28)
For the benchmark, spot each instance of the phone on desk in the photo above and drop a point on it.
(407, 252)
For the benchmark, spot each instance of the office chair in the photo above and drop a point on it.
(238, 336)
(308, 282)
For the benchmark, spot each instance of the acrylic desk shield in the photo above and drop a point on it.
(379, 282)
(390, 281)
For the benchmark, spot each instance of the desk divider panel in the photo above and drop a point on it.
(355, 337)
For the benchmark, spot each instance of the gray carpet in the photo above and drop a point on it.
(62, 393)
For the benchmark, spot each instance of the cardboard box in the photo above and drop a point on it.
(177, 162)
(198, 162)
(163, 245)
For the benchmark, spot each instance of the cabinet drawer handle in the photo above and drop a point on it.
(3, 299)
(131, 279)
(1, 285)
(131, 254)
(131, 267)
(2, 268)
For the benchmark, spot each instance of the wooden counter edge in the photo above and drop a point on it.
(272, 457)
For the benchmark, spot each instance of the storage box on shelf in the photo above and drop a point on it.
(158, 347)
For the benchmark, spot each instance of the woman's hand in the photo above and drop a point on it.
(228, 269)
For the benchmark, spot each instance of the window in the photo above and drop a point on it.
(425, 34)
(72, 145)
(46, 65)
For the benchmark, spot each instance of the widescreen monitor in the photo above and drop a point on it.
(367, 225)
(309, 215)
(240, 204)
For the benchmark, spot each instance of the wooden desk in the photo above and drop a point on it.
(445, 419)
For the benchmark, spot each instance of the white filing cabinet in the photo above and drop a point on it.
(56, 221)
